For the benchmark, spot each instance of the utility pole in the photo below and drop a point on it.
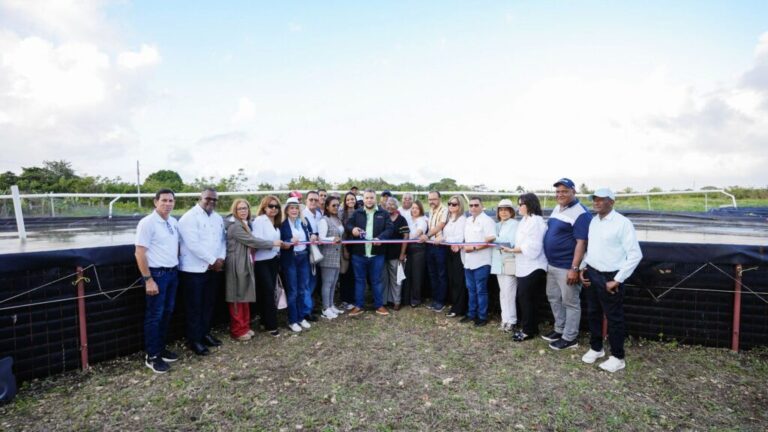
(138, 184)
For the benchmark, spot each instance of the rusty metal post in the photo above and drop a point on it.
(736, 310)
(81, 319)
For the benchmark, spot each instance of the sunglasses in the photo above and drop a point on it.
(474, 205)
(273, 206)
(453, 204)
(210, 199)
(312, 199)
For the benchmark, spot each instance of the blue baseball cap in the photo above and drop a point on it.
(565, 182)
(603, 193)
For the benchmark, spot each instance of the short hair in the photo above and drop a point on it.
(407, 194)
(209, 189)
(235, 203)
(263, 208)
(328, 202)
(461, 206)
(419, 206)
(532, 203)
(475, 198)
(311, 192)
(369, 190)
(397, 203)
(436, 192)
(322, 190)
(163, 192)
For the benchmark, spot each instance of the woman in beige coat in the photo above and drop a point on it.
(241, 282)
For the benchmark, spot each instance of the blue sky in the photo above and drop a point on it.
(496, 93)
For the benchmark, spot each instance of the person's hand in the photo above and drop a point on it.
(402, 258)
(423, 238)
(436, 241)
(376, 243)
(218, 265)
(612, 287)
(573, 277)
(313, 238)
(151, 287)
(285, 245)
(584, 280)
(455, 248)
(506, 249)
(356, 232)
(295, 240)
(469, 249)
(337, 239)
(277, 243)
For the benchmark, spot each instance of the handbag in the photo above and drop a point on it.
(344, 266)
(315, 256)
(508, 265)
(281, 301)
(400, 274)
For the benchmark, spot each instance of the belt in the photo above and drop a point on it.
(608, 274)
(304, 252)
(163, 268)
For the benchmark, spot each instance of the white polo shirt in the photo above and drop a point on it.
(161, 238)
(203, 240)
(477, 229)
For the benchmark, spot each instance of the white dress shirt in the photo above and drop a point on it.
(313, 219)
(263, 229)
(161, 238)
(407, 215)
(203, 240)
(613, 245)
(530, 240)
(476, 230)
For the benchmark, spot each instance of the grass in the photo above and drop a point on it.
(414, 370)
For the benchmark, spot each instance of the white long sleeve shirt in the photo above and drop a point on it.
(613, 246)
(262, 228)
(202, 240)
(530, 240)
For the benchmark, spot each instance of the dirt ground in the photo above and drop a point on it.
(413, 370)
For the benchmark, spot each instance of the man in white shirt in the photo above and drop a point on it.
(479, 228)
(613, 253)
(313, 215)
(405, 209)
(203, 249)
(157, 256)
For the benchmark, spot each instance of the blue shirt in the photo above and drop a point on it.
(565, 226)
(613, 246)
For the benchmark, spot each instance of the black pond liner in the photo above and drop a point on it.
(44, 339)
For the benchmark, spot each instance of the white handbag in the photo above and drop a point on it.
(315, 256)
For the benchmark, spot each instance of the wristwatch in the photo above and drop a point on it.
(576, 269)
(146, 278)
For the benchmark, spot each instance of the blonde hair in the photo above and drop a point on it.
(233, 210)
(461, 207)
(263, 208)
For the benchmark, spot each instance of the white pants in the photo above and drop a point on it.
(507, 295)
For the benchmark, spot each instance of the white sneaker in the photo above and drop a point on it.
(613, 364)
(336, 311)
(328, 314)
(294, 328)
(304, 324)
(592, 355)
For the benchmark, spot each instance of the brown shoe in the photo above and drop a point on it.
(355, 311)
(382, 311)
(397, 307)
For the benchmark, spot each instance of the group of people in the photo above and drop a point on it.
(358, 241)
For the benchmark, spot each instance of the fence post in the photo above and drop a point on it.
(81, 319)
(736, 310)
(17, 211)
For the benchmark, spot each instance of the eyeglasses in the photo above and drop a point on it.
(273, 206)
(311, 199)
(453, 204)
(242, 209)
(474, 205)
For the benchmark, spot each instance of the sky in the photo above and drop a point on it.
(498, 93)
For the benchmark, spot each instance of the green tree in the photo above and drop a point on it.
(306, 183)
(8, 179)
(60, 168)
(583, 189)
(265, 187)
(445, 184)
(655, 189)
(163, 179)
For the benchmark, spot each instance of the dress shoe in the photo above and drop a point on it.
(311, 317)
(481, 323)
(396, 307)
(210, 341)
(466, 319)
(198, 348)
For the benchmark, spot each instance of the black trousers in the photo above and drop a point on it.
(599, 302)
(530, 289)
(457, 283)
(415, 270)
(266, 278)
(199, 297)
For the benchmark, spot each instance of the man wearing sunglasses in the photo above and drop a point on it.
(479, 228)
(203, 249)
(157, 256)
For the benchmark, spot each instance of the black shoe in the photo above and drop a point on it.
(466, 319)
(274, 333)
(552, 336)
(311, 317)
(157, 364)
(481, 323)
(168, 356)
(520, 336)
(562, 344)
(210, 341)
(198, 348)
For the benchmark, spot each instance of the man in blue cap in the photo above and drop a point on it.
(613, 253)
(564, 245)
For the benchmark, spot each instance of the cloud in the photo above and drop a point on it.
(148, 55)
(246, 111)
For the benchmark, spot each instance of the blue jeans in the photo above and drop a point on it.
(307, 301)
(365, 267)
(295, 278)
(158, 309)
(477, 287)
(438, 280)
(199, 295)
